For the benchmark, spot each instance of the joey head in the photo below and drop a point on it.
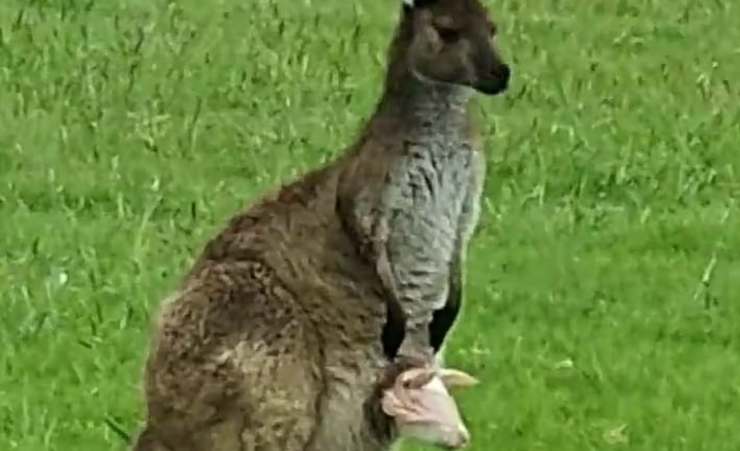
(417, 399)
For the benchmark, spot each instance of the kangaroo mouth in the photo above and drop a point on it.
(493, 87)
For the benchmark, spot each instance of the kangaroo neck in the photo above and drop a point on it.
(420, 105)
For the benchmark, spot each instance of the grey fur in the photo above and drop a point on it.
(431, 198)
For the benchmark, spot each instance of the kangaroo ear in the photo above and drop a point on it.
(410, 4)
(456, 378)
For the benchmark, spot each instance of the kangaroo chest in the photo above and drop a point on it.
(428, 191)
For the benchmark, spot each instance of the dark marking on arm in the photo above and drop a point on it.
(394, 329)
(444, 318)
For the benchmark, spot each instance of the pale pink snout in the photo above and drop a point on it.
(422, 407)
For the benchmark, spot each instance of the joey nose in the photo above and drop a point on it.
(463, 438)
(457, 437)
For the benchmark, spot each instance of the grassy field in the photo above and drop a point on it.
(602, 309)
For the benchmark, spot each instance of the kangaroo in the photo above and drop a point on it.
(279, 336)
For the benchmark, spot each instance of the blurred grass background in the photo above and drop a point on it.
(601, 308)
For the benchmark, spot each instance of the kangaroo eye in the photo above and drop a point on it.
(448, 35)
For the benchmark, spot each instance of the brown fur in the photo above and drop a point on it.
(279, 334)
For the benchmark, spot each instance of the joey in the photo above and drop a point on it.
(415, 397)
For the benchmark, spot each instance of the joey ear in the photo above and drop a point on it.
(456, 378)
(418, 377)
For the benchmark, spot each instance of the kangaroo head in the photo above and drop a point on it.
(451, 42)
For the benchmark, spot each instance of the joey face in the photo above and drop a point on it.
(452, 43)
(422, 407)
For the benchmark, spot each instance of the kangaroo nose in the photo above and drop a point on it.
(502, 72)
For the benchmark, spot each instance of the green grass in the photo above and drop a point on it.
(130, 131)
